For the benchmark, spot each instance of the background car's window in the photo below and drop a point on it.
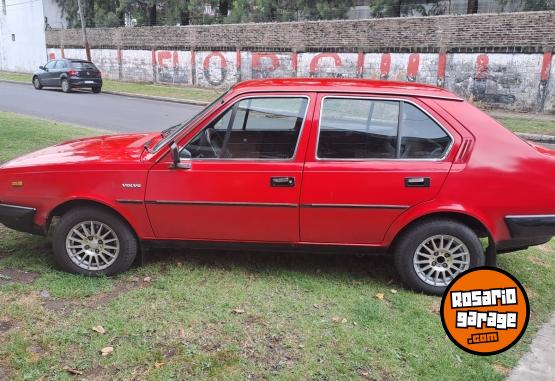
(358, 129)
(50, 65)
(60, 64)
(421, 137)
(257, 128)
(83, 65)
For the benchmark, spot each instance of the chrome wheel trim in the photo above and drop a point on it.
(65, 85)
(36, 83)
(440, 258)
(92, 245)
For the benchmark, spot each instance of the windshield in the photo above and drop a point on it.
(169, 134)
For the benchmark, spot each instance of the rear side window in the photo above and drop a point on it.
(378, 129)
(83, 65)
(256, 128)
(60, 64)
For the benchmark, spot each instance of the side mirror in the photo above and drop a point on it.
(177, 163)
(42, 67)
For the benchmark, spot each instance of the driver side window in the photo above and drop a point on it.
(50, 65)
(254, 128)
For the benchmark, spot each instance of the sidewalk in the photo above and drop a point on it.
(539, 363)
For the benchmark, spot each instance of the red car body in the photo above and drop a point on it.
(490, 179)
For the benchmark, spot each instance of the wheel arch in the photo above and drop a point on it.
(478, 226)
(68, 205)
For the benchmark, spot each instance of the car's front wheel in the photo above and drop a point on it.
(36, 83)
(428, 256)
(66, 88)
(94, 241)
(96, 89)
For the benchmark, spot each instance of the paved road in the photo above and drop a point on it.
(105, 111)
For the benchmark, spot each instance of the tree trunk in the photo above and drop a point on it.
(152, 15)
(472, 6)
(184, 18)
(224, 7)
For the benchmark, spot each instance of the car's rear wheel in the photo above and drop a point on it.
(66, 88)
(94, 241)
(96, 89)
(36, 83)
(428, 256)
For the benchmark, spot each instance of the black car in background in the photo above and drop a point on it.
(68, 74)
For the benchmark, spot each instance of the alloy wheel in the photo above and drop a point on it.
(92, 245)
(440, 258)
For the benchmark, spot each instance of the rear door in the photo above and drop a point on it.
(244, 181)
(370, 159)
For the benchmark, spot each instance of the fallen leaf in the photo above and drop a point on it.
(99, 329)
(337, 319)
(301, 346)
(393, 291)
(106, 351)
(355, 323)
(158, 365)
(316, 306)
(147, 279)
(380, 295)
(343, 320)
(179, 264)
(181, 333)
(73, 371)
(238, 311)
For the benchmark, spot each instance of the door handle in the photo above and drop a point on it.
(282, 181)
(414, 182)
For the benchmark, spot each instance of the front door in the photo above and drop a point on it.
(244, 181)
(370, 160)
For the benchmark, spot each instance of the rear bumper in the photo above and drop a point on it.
(82, 82)
(528, 231)
(19, 218)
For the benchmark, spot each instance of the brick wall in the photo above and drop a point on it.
(504, 60)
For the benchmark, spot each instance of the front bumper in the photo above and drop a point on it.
(85, 82)
(528, 231)
(19, 218)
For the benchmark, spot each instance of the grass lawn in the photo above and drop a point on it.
(231, 315)
(531, 126)
(178, 92)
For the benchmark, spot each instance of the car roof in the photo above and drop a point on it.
(344, 85)
(74, 60)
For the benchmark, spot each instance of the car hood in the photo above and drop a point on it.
(105, 149)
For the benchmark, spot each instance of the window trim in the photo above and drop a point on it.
(239, 99)
(372, 98)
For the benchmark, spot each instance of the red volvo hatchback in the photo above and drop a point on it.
(308, 164)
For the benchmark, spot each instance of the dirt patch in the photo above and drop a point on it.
(435, 307)
(546, 248)
(11, 276)
(5, 326)
(502, 370)
(537, 261)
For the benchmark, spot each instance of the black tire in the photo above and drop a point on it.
(128, 245)
(96, 89)
(36, 83)
(409, 242)
(66, 87)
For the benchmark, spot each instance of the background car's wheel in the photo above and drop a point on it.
(96, 89)
(66, 88)
(36, 83)
(94, 241)
(428, 256)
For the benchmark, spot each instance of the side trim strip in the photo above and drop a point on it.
(214, 203)
(355, 206)
(129, 201)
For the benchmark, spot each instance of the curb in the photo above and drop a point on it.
(132, 95)
(157, 98)
(537, 138)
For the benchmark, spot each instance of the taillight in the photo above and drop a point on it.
(98, 74)
(72, 73)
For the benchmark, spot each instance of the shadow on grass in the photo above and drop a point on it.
(344, 266)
